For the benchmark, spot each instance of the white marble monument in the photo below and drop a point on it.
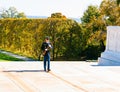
(111, 55)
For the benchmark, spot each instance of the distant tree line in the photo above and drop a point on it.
(11, 13)
(71, 40)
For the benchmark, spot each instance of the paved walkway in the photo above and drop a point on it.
(64, 77)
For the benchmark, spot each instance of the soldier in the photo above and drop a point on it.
(46, 46)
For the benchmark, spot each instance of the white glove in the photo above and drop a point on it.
(46, 49)
(50, 46)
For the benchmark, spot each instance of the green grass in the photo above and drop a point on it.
(4, 57)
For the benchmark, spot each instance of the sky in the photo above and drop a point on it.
(69, 8)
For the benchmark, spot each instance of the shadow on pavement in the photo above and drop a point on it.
(105, 65)
(24, 71)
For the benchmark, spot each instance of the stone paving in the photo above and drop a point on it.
(64, 77)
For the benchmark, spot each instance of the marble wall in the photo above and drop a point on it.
(111, 55)
(113, 38)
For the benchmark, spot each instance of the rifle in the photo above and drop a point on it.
(44, 52)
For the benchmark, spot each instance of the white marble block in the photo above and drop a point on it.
(111, 55)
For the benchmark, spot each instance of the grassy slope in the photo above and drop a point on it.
(4, 57)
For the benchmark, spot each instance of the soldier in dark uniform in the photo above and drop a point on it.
(46, 46)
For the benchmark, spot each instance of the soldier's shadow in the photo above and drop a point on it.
(23, 71)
